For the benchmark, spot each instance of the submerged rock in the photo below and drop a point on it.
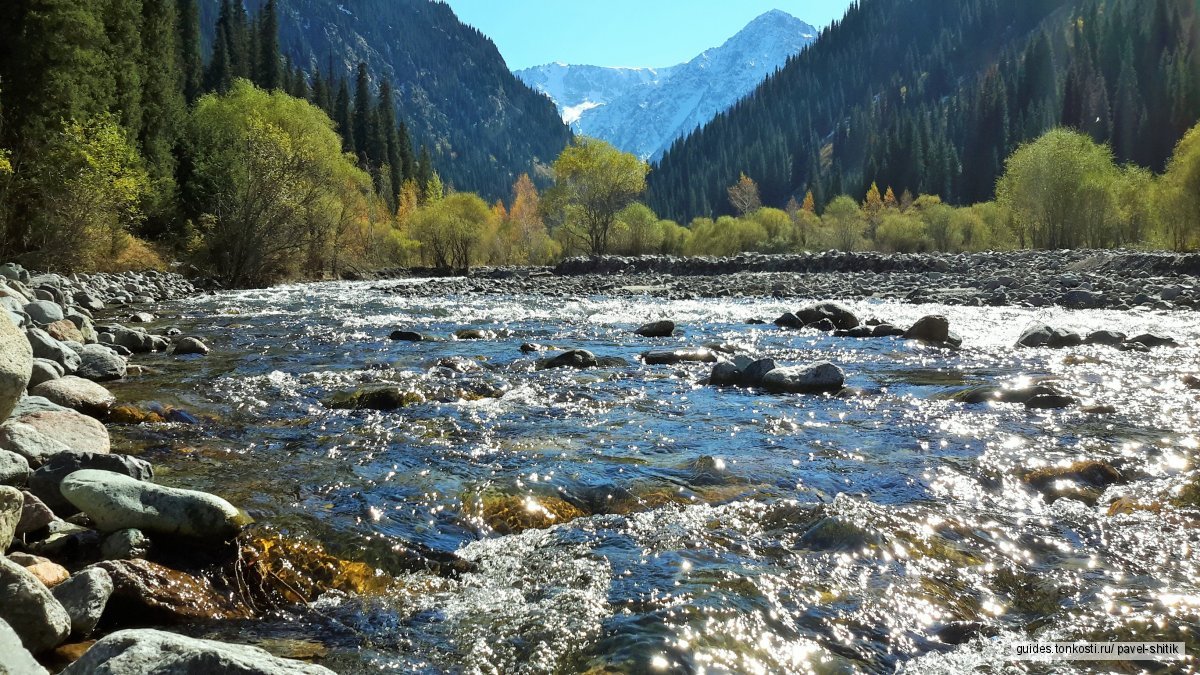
(806, 379)
(148, 592)
(146, 652)
(1083, 480)
(407, 336)
(377, 397)
(656, 329)
(190, 345)
(510, 514)
(117, 502)
(672, 356)
(579, 358)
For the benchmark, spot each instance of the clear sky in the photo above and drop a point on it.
(623, 32)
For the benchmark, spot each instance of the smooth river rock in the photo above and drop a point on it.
(101, 364)
(15, 659)
(16, 364)
(155, 652)
(11, 503)
(14, 469)
(47, 481)
(84, 596)
(117, 502)
(656, 329)
(77, 394)
(40, 435)
(806, 379)
(29, 608)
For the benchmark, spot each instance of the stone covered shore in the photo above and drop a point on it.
(86, 536)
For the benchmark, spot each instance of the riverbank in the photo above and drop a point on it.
(1072, 279)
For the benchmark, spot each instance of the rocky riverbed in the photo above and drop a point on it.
(616, 466)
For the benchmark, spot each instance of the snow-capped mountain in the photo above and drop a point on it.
(643, 110)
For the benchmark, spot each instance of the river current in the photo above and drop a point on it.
(633, 519)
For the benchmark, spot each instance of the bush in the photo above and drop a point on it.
(902, 233)
(452, 232)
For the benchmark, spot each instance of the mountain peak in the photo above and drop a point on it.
(643, 110)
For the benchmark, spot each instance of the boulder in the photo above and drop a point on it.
(29, 608)
(37, 436)
(656, 329)
(147, 652)
(753, 374)
(1050, 402)
(147, 591)
(1109, 338)
(789, 320)
(116, 502)
(65, 331)
(88, 301)
(50, 573)
(99, 363)
(841, 317)
(575, 358)
(46, 482)
(806, 379)
(45, 370)
(190, 345)
(407, 336)
(1045, 336)
(14, 469)
(16, 364)
(44, 312)
(1152, 341)
(128, 544)
(35, 515)
(15, 659)
(84, 596)
(46, 347)
(474, 334)
(11, 501)
(659, 357)
(1081, 299)
(929, 329)
(725, 374)
(382, 397)
(77, 394)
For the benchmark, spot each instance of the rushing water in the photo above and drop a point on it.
(719, 530)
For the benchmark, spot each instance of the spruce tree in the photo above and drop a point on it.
(386, 115)
(191, 61)
(363, 109)
(344, 116)
(270, 76)
(163, 105)
(123, 25)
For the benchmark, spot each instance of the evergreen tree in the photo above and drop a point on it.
(123, 25)
(163, 105)
(269, 74)
(386, 115)
(364, 108)
(190, 60)
(343, 116)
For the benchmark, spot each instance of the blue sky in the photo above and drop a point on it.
(623, 32)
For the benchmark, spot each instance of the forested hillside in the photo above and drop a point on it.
(928, 96)
(484, 127)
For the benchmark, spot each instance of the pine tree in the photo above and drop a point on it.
(123, 25)
(363, 109)
(190, 59)
(343, 116)
(269, 75)
(386, 116)
(163, 104)
(321, 96)
(424, 173)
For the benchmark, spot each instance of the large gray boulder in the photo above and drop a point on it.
(46, 482)
(16, 364)
(807, 379)
(15, 659)
(117, 502)
(46, 347)
(45, 370)
(77, 394)
(84, 596)
(37, 436)
(29, 608)
(155, 652)
(11, 502)
(840, 315)
(101, 364)
(14, 469)
(44, 312)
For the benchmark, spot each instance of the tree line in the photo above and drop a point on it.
(931, 97)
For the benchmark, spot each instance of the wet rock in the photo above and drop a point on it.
(1050, 402)
(45, 370)
(1109, 338)
(1083, 480)
(77, 394)
(839, 315)
(41, 434)
(14, 469)
(30, 610)
(531, 348)
(84, 596)
(1191, 381)
(142, 652)
(16, 364)
(511, 514)
(673, 356)
(128, 414)
(407, 336)
(929, 329)
(44, 312)
(146, 592)
(46, 482)
(15, 659)
(141, 317)
(101, 364)
(725, 374)
(190, 345)
(656, 329)
(575, 358)
(128, 544)
(11, 503)
(1153, 341)
(378, 397)
(754, 373)
(806, 379)
(474, 334)
(117, 502)
(136, 340)
(789, 320)
(1045, 336)
(825, 325)
(858, 332)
